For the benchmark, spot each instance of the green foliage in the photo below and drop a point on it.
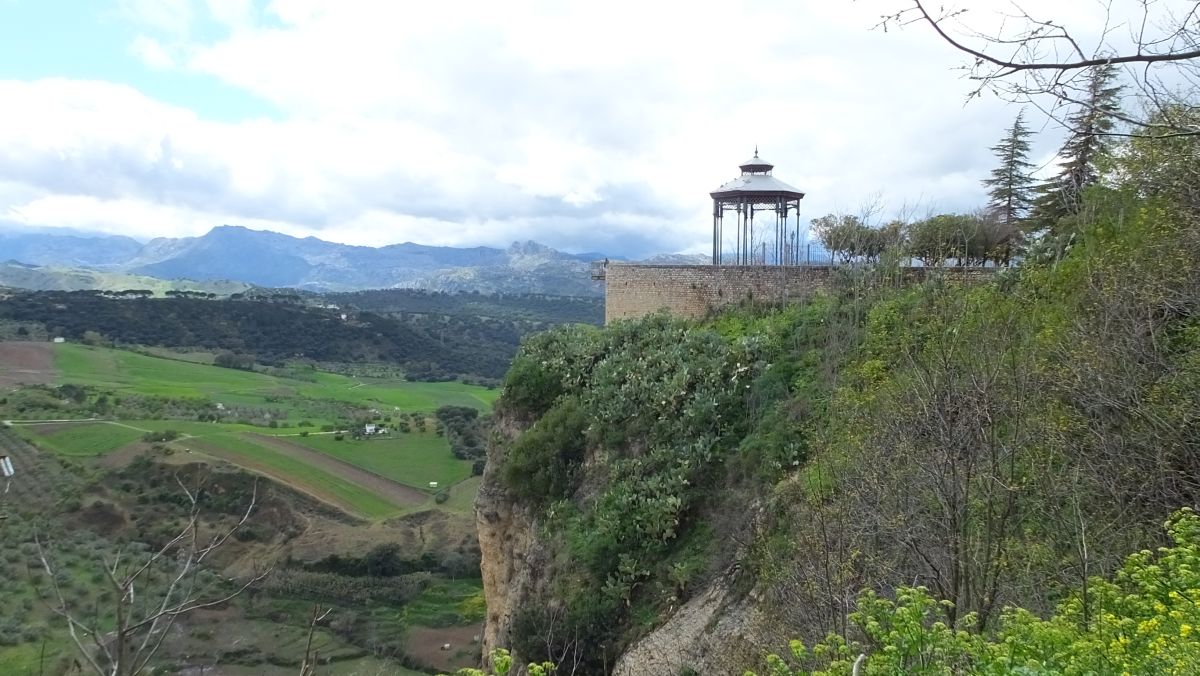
(939, 238)
(160, 436)
(1010, 184)
(530, 387)
(1142, 621)
(347, 590)
(1085, 154)
(439, 342)
(234, 360)
(849, 238)
(662, 404)
(502, 664)
(543, 460)
(472, 608)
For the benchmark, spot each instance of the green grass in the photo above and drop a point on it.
(124, 371)
(304, 476)
(437, 606)
(462, 496)
(83, 439)
(27, 658)
(411, 459)
(193, 428)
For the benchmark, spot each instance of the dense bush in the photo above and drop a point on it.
(543, 460)
(1142, 621)
(431, 346)
(349, 590)
(662, 404)
(160, 436)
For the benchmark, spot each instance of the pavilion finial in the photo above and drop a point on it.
(756, 150)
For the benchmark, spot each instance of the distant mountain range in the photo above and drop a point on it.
(17, 275)
(262, 258)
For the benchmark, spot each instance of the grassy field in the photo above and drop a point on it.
(124, 371)
(301, 475)
(462, 496)
(411, 459)
(84, 439)
(414, 459)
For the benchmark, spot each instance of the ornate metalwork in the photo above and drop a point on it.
(758, 193)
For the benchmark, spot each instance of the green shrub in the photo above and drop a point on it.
(160, 436)
(543, 460)
(531, 385)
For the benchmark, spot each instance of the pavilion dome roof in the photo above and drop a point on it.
(757, 181)
(756, 164)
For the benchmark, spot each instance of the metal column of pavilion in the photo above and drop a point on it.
(756, 191)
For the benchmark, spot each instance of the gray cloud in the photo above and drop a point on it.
(465, 127)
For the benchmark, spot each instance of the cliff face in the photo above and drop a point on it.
(717, 631)
(512, 558)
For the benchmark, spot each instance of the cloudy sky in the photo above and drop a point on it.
(589, 126)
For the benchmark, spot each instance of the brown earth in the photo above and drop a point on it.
(26, 363)
(396, 492)
(104, 518)
(46, 429)
(240, 460)
(125, 455)
(425, 645)
(417, 535)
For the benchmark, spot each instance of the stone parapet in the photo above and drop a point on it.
(633, 290)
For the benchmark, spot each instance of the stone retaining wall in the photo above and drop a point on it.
(693, 290)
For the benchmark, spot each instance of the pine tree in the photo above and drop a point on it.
(1010, 188)
(1085, 148)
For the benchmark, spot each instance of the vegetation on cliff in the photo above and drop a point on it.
(999, 444)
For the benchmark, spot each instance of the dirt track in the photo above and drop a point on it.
(393, 491)
(26, 363)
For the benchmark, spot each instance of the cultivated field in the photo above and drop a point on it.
(372, 479)
(376, 478)
(124, 371)
(412, 459)
(364, 493)
(26, 364)
(81, 439)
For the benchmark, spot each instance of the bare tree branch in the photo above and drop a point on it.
(134, 641)
(1033, 58)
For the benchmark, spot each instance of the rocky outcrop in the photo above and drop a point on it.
(512, 559)
(718, 631)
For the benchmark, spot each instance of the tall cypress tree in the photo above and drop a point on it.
(1085, 147)
(1010, 188)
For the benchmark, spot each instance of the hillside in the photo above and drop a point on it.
(373, 529)
(57, 278)
(897, 467)
(431, 336)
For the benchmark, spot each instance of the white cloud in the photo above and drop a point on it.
(172, 17)
(583, 125)
(232, 13)
(152, 53)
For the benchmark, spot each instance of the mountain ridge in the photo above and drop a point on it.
(272, 259)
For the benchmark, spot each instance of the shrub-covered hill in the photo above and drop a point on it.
(439, 341)
(680, 497)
